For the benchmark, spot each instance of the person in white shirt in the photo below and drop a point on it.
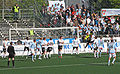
(5, 46)
(112, 20)
(111, 50)
(44, 47)
(100, 46)
(75, 45)
(50, 48)
(60, 44)
(26, 46)
(68, 20)
(88, 20)
(95, 46)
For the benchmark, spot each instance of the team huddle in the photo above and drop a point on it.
(45, 47)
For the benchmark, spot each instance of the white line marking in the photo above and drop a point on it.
(106, 63)
(53, 66)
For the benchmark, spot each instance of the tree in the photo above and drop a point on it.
(99, 4)
(22, 3)
(115, 3)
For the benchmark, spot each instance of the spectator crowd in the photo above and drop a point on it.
(80, 16)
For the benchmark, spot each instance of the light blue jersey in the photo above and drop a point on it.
(39, 44)
(111, 47)
(100, 43)
(33, 45)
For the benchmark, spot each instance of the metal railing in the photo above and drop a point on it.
(23, 13)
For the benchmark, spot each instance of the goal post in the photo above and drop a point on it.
(22, 33)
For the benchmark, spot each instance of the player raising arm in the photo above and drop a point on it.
(60, 44)
(112, 51)
(75, 45)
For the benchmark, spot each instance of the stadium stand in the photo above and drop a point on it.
(56, 16)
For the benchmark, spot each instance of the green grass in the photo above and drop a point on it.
(69, 64)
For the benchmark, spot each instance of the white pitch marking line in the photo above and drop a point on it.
(53, 66)
(106, 63)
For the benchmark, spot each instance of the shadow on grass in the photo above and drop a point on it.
(3, 66)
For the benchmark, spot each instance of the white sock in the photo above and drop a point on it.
(35, 54)
(72, 52)
(108, 62)
(2, 55)
(60, 53)
(100, 53)
(77, 52)
(32, 57)
(40, 55)
(44, 55)
(97, 54)
(113, 60)
(47, 55)
(5, 56)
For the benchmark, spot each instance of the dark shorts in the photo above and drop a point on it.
(49, 49)
(59, 47)
(43, 49)
(26, 48)
(75, 48)
(96, 48)
(38, 49)
(11, 56)
(91, 41)
(4, 50)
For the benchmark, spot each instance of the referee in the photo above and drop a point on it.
(11, 52)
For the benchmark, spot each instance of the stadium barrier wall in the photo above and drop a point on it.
(67, 47)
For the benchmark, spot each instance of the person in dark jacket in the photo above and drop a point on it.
(11, 52)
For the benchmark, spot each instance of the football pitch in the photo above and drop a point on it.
(70, 64)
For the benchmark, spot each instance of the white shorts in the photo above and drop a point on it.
(32, 51)
(112, 55)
